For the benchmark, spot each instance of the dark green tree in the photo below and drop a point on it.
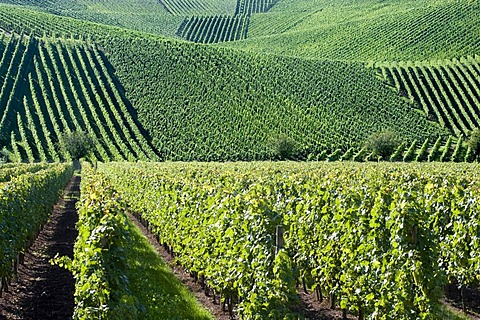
(283, 147)
(382, 143)
(474, 142)
(78, 144)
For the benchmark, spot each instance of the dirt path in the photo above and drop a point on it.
(43, 291)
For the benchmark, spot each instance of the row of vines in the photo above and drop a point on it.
(381, 240)
(448, 91)
(214, 29)
(27, 196)
(230, 105)
(215, 104)
(54, 86)
(368, 30)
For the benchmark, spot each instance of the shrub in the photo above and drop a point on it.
(382, 144)
(78, 144)
(284, 147)
(474, 142)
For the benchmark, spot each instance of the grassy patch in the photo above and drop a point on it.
(160, 294)
(448, 313)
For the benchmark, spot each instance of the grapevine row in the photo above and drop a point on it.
(214, 29)
(441, 29)
(381, 240)
(248, 7)
(53, 87)
(21, 223)
(449, 89)
(179, 8)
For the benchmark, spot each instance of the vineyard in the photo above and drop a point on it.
(448, 91)
(382, 241)
(144, 15)
(212, 117)
(198, 7)
(52, 87)
(28, 193)
(185, 110)
(248, 7)
(214, 29)
(231, 107)
(370, 30)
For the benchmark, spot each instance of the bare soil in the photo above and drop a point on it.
(42, 290)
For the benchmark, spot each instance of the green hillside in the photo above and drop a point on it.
(52, 87)
(368, 30)
(144, 15)
(187, 101)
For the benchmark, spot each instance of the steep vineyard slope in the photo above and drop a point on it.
(448, 91)
(214, 29)
(143, 15)
(54, 86)
(199, 7)
(199, 102)
(367, 30)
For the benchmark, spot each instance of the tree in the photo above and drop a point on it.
(382, 143)
(474, 141)
(78, 144)
(284, 147)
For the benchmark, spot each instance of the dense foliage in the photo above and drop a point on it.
(213, 104)
(27, 196)
(214, 28)
(448, 91)
(201, 103)
(382, 239)
(101, 288)
(143, 15)
(118, 275)
(367, 30)
(53, 87)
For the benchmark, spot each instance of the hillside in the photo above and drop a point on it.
(187, 101)
(368, 30)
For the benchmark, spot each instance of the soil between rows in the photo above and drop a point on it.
(309, 306)
(44, 291)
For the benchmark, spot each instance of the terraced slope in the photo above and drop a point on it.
(448, 91)
(233, 104)
(369, 30)
(219, 104)
(54, 86)
(200, 102)
(248, 7)
(214, 29)
(143, 15)
(198, 7)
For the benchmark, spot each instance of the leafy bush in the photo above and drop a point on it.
(284, 147)
(382, 144)
(78, 144)
(474, 141)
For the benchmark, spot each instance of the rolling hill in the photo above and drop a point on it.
(323, 74)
